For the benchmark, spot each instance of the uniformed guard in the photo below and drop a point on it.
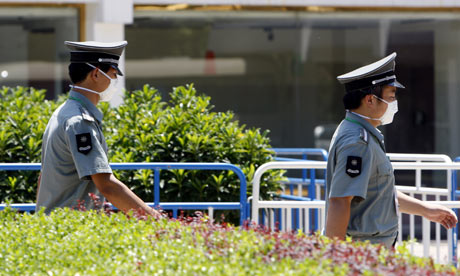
(361, 199)
(74, 151)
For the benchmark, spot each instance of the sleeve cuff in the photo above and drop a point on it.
(95, 171)
(349, 193)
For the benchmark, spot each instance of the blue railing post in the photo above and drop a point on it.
(304, 171)
(297, 212)
(280, 219)
(291, 189)
(262, 218)
(454, 196)
(312, 196)
(156, 187)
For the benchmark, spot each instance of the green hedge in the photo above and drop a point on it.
(24, 114)
(87, 243)
(145, 128)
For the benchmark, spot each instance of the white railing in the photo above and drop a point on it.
(417, 189)
(258, 204)
(393, 157)
(304, 181)
(304, 206)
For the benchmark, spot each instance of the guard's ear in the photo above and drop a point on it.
(368, 99)
(94, 74)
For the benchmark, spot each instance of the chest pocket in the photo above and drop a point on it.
(103, 142)
(385, 177)
(384, 168)
(100, 136)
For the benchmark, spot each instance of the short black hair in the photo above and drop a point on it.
(352, 99)
(79, 71)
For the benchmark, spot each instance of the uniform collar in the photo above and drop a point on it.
(373, 130)
(86, 103)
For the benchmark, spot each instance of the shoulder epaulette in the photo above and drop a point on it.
(86, 115)
(364, 135)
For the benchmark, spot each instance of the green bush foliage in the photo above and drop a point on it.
(184, 129)
(24, 114)
(69, 242)
(145, 128)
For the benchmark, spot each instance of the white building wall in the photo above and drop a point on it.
(301, 3)
(321, 3)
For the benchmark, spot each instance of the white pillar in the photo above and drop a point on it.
(384, 34)
(105, 22)
(305, 34)
(453, 114)
(66, 31)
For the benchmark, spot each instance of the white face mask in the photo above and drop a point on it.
(392, 109)
(387, 117)
(108, 93)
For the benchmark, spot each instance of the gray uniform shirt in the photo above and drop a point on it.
(358, 167)
(73, 149)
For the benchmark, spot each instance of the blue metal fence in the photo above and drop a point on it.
(157, 167)
(304, 153)
(308, 179)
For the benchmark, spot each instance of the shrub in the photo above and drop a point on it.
(24, 113)
(185, 129)
(70, 242)
(143, 129)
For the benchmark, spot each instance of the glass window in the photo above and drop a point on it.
(32, 50)
(277, 70)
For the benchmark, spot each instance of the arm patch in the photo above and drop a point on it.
(353, 167)
(84, 144)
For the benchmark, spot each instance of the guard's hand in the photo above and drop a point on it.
(442, 215)
(156, 214)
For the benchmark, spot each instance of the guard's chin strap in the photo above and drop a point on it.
(83, 88)
(363, 116)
